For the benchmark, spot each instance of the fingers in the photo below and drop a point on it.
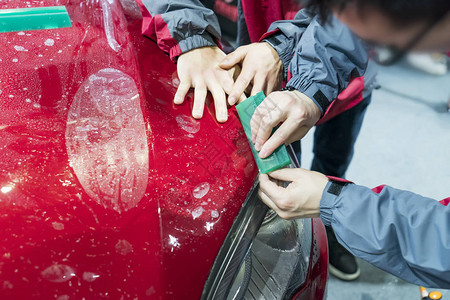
(242, 98)
(286, 174)
(269, 187)
(182, 90)
(234, 58)
(273, 84)
(228, 82)
(259, 83)
(266, 199)
(269, 120)
(199, 101)
(220, 102)
(261, 112)
(242, 82)
(287, 133)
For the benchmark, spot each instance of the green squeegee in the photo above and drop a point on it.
(23, 19)
(279, 158)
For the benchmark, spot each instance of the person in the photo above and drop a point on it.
(189, 32)
(398, 231)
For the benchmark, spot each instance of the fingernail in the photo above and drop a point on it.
(257, 147)
(222, 118)
(263, 154)
(196, 114)
(232, 100)
(253, 138)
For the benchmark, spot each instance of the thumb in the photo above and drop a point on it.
(234, 58)
(287, 174)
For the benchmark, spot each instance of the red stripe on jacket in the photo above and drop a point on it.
(156, 28)
(378, 190)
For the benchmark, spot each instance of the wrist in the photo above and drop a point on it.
(191, 43)
(315, 110)
(276, 42)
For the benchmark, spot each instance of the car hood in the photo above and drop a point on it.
(108, 189)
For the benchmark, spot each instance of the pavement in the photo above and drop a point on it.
(404, 142)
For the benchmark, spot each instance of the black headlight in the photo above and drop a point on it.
(263, 256)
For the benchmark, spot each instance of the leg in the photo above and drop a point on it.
(333, 151)
(334, 140)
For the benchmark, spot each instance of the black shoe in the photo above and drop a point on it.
(342, 264)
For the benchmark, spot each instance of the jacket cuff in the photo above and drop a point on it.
(313, 92)
(190, 43)
(278, 42)
(330, 195)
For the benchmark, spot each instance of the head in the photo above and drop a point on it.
(401, 25)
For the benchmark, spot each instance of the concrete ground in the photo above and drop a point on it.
(404, 142)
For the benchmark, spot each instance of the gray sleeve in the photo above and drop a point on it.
(398, 231)
(179, 26)
(327, 57)
(286, 35)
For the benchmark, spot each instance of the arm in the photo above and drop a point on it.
(265, 65)
(398, 231)
(179, 26)
(188, 31)
(325, 60)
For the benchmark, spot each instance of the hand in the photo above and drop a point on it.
(300, 199)
(297, 112)
(199, 69)
(261, 68)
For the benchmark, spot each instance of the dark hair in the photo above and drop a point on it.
(402, 12)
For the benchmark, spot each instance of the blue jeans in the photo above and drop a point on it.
(334, 141)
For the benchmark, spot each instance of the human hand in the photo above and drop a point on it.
(300, 199)
(297, 112)
(199, 69)
(262, 70)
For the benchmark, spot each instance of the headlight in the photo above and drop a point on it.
(263, 256)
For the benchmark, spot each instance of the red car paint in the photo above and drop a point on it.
(108, 190)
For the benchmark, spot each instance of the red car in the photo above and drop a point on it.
(110, 191)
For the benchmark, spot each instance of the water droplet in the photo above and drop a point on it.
(49, 42)
(19, 48)
(188, 124)
(209, 226)
(58, 273)
(123, 247)
(15, 60)
(150, 291)
(21, 33)
(7, 285)
(175, 82)
(214, 214)
(58, 226)
(197, 212)
(89, 276)
(201, 190)
(173, 241)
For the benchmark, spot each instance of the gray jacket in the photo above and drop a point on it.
(398, 231)
(321, 59)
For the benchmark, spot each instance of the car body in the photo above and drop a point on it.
(110, 191)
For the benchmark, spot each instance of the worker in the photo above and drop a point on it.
(398, 231)
(189, 32)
